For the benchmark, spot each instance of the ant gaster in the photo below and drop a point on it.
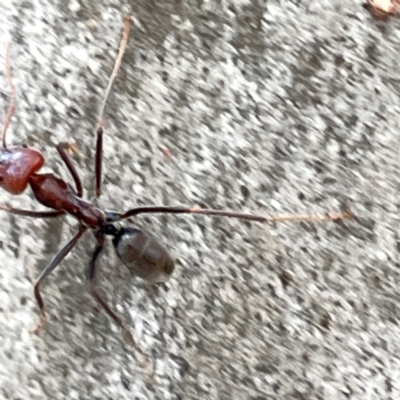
(142, 254)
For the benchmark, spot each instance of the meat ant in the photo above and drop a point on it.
(143, 255)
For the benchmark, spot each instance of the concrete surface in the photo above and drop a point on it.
(271, 107)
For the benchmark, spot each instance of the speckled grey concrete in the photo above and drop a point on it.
(273, 109)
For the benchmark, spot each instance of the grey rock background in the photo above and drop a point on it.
(271, 107)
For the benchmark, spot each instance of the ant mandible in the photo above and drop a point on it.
(143, 255)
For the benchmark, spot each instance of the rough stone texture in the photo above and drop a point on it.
(273, 108)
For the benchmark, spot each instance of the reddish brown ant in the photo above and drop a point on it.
(143, 255)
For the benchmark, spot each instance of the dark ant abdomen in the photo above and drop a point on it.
(143, 255)
(53, 192)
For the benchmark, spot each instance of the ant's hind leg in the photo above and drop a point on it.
(146, 361)
(114, 217)
(62, 151)
(49, 269)
(94, 292)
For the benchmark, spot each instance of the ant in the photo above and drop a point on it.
(142, 254)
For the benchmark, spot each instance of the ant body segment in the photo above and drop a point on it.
(143, 255)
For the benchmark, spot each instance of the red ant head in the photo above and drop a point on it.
(17, 164)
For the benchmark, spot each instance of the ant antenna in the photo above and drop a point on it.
(11, 107)
(100, 124)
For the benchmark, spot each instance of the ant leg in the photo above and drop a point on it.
(11, 107)
(93, 290)
(113, 217)
(49, 269)
(100, 125)
(31, 213)
(62, 151)
(147, 363)
(99, 158)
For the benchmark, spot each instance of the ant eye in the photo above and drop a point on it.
(25, 146)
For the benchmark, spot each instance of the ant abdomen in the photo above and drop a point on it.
(143, 255)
